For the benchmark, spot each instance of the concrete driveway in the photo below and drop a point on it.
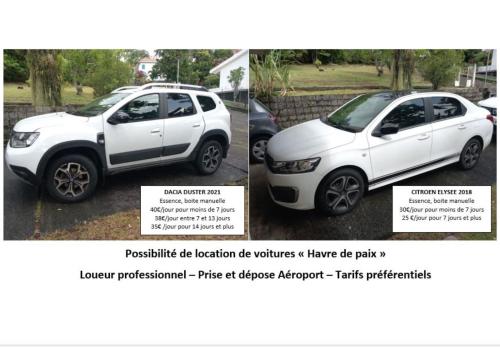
(26, 211)
(372, 218)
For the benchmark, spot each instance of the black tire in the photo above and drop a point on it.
(71, 178)
(209, 157)
(340, 192)
(258, 148)
(470, 154)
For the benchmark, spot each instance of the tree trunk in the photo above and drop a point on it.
(45, 77)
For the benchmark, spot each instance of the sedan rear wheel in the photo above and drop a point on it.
(470, 154)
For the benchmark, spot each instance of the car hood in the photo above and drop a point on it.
(491, 103)
(57, 119)
(306, 140)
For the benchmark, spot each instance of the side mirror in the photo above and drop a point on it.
(118, 117)
(386, 129)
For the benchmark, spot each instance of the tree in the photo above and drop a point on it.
(439, 66)
(381, 59)
(402, 67)
(133, 56)
(77, 64)
(14, 65)
(108, 72)
(45, 76)
(235, 77)
(175, 65)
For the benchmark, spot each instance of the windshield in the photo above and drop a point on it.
(99, 105)
(359, 112)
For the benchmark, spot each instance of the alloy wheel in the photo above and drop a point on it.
(471, 155)
(259, 149)
(71, 179)
(211, 157)
(343, 193)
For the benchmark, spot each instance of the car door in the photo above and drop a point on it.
(449, 126)
(406, 149)
(183, 126)
(138, 137)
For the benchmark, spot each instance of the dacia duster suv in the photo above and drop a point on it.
(130, 128)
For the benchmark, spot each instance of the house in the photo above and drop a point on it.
(225, 90)
(145, 65)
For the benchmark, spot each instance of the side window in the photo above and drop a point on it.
(408, 114)
(179, 105)
(146, 107)
(445, 107)
(206, 103)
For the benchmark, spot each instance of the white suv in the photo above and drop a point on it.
(372, 141)
(130, 128)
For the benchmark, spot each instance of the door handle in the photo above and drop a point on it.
(462, 127)
(196, 125)
(423, 137)
(155, 131)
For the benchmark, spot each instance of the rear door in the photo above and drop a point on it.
(409, 148)
(138, 141)
(450, 127)
(183, 126)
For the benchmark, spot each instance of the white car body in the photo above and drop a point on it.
(381, 160)
(123, 146)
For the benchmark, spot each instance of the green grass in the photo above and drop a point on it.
(332, 92)
(346, 76)
(11, 93)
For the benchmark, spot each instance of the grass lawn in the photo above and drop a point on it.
(344, 76)
(12, 94)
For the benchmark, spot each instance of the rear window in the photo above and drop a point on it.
(445, 107)
(206, 103)
(257, 107)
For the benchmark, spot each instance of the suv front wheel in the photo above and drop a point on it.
(209, 157)
(71, 178)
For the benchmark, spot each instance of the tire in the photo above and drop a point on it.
(258, 149)
(470, 154)
(209, 157)
(340, 192)
(71, 178)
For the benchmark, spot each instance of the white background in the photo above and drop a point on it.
(43, 301)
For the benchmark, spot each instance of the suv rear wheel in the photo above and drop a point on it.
(340, 192)
(209, 157)
(71, 178)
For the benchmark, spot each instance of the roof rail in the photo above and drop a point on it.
(121, 89)
(173, 86)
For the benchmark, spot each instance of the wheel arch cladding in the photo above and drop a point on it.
(352, 167)
(218, 135)
(479, 138)
(93, 151)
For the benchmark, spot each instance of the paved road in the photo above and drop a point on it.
(372, 218)
(120, 193)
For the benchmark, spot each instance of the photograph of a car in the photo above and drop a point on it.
(130, 128)
(262, 126)
(372, 141)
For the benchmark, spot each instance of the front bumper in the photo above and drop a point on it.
(296, 191)
(22, 163)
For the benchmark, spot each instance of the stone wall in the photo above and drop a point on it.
(292, 110)
(12, 113)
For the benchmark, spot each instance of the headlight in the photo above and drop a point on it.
(21, 140)
(295, 166)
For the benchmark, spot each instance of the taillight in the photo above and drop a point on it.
(490, 118)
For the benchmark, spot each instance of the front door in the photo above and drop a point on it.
(138, 139)
(409, 148)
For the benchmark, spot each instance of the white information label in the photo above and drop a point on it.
(192, 210)
(441, 209)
